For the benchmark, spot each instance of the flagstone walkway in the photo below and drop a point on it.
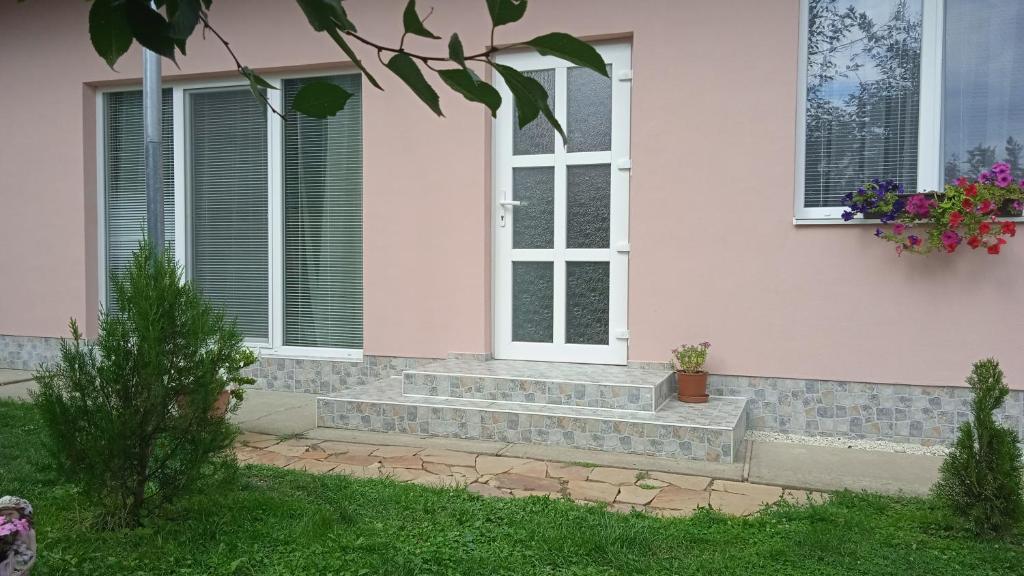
(621, 489)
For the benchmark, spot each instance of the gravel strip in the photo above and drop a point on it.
(853, 443)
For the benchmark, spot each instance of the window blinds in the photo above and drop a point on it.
(983, 83)
(863, 94)
(124, 179)
(323, 223)
(227, 138)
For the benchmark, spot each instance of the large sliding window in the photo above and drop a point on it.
(227, 140)
(124, 180)
(983, 87)
(323, 224)
(264, 215)
(920, 91)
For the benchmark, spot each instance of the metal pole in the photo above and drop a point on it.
(151, 111)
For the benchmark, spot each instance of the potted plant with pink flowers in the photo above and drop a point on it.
(972, 212)
(17, 537)
(691, 378)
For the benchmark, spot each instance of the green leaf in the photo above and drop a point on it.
(467, 83)
(340, 41)
(530, 96)
(320, 99)
(569, 48)
(149, 28)
(183, 16)
(330, 17)
(505, 11)
(255, 83)
(109, 31)
(404, 67)
(255, 79)
(413, 24)
(455, 51)
(324, 15)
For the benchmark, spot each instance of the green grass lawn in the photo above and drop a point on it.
(281, 522)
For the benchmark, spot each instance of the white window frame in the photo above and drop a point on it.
(275, 347)
(929, 139)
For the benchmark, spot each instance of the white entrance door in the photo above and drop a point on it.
(561, 215)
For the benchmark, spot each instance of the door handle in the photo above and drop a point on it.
(510, 203)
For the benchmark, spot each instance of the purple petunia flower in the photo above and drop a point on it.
(848, 215)
(950, 238)
(878, 232)
(985, 176)
(1003, 179)
(1001, 168)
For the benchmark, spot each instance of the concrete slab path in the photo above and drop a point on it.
(829, 469)
(15, 384)
(277, 413)
(11, 376)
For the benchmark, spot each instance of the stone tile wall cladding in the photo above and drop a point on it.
(327, 376)
(925, 415)
(576, 432)
(27, 352)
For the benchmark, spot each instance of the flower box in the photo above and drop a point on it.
(965, 212)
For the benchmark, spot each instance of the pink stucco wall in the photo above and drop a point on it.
(715, 254)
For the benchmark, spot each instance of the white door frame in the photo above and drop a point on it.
(617, 254)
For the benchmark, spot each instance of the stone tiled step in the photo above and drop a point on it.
(712, 432)
(560, 384)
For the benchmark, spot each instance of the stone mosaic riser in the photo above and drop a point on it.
(532, 391)
(927, 415)
(673, 441)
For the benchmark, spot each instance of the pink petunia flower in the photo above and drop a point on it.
(920, 206)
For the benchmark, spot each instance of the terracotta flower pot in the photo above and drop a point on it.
(693, 388)
(220, 407)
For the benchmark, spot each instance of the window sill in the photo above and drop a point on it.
(300, 353)
(860, 221)
(833, 221)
